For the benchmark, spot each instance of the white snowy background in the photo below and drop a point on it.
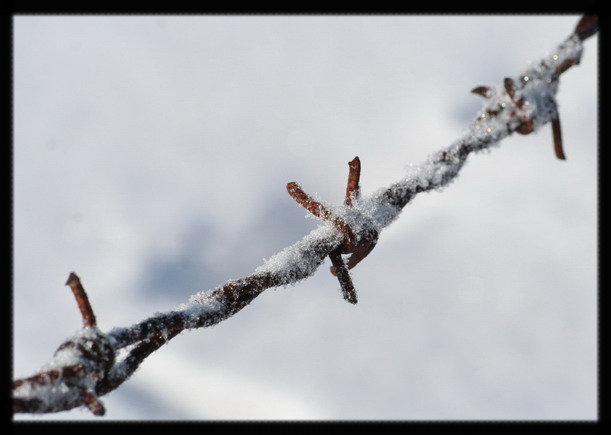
(151, 155)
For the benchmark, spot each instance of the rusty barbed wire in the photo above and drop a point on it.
(85, 368)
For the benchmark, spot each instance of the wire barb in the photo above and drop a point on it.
(358, 249)
(81, 300)
(587, 26)
(307, 202)
(354, 175)
(320, 211)
(341, 271)
(527, 125)
(484, 91)
(557, 135)
(93, 403)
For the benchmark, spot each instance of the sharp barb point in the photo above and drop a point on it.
(557, 135)
(81, 300)
(484, 91)
(587, 26)
(72, 278)
(354, 176)
(360, 253)
(94, 404)
(343, 276)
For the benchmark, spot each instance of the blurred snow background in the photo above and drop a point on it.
(151, 156)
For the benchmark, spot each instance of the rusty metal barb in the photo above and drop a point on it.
(94, 404)
(81, 300)
(527, 124)
(303, 199)
(557, 136)
(50, 376)
(358, 249)
(510, 89)
(320, 211)
(354, 176)
(587, 26)
(341, 271)
(484, 91)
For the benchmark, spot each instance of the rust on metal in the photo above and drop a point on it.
(354, 176)
(509, 88)
(484, 91)
(587, 26)
(93, 403)
(557, 134)
(341, 271)
(50, 376)
(306, 201)
(360, 252)
(81, 299)
(564, 66)
(526, 127)
(318, 210)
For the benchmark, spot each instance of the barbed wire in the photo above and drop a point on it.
(85, 367)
